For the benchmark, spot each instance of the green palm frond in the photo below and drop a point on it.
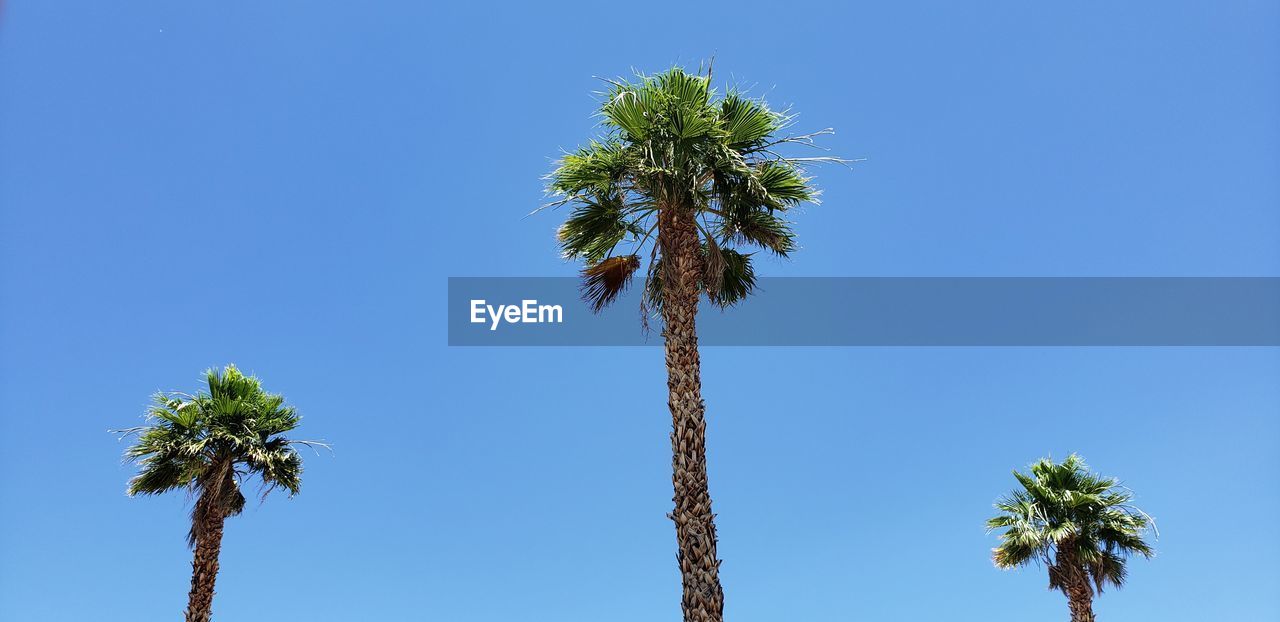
(749, 123)
(737, 278)
(670, 140)
(598, 224)
(630, 110)
(783, 185)
(595, 168)
(761, 228)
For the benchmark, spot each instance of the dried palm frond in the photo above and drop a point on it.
(602, 282)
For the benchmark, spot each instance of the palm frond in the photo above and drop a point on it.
(629, 109)
(598, 167)
(783, 185)
(761, 228)
(748, 123)
(603, 281)
(597, 225)
(737, 279)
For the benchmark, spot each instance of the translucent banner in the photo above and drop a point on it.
(1083, 311)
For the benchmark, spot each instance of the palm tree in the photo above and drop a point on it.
(704, 172)
(1080, 526)
(210, 444)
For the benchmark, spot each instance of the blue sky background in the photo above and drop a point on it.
(287, 186)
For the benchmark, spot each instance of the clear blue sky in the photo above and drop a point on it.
(287, 186)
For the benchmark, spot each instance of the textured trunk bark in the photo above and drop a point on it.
(703, 599)
(1080, 600)
(1069, 574)
(204, 569)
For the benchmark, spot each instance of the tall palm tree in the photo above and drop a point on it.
(1080, 526)
(704, 172)
(210, 443)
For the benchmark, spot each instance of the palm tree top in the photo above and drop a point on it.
(670, 141)
(1064, 509)
(212, 441)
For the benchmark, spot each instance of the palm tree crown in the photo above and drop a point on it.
(209, 443)
(1079, 525)
(671, 143)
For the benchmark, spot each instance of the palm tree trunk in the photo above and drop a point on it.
(703, 599)
(1080, 600)
(1070, 576)
(204, 567)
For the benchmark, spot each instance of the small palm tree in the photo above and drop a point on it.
(209, 444)
(1080, 526)
(704, 173)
